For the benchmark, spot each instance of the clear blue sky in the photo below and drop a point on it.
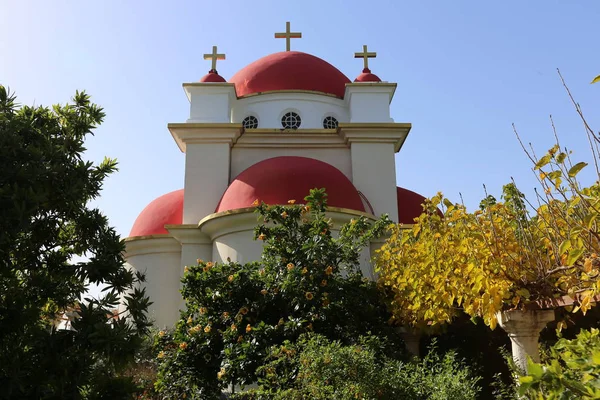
(465, 71)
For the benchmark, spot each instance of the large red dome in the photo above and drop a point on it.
(277, 180)
(165, 210)
(289, 70)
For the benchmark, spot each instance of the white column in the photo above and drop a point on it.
(207, 150)
(372, 150)
(523, 328)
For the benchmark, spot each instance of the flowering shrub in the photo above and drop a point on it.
(307, 281)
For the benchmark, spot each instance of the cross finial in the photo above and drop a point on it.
(365, 55)
(287, 35)
(214, 56)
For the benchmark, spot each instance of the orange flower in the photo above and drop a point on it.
(207, 329)
(325, 302)
(161, 354)
(183, 345)
(329, 270)
(263, 292)
(304, 270)
(291, 201)
(195, 329)
(284, 215)
(308, 295)
(210, 264)
(185, 269)
(221, 373)
(240, 339)
(233, 327)
(225, 314)
(248, 328)
(203, 310)
(243, 311)
(324, 283)
(230, 278)
(161, 334)
(190, 320)
(310, 327)
(255, 203)
(290, 266)
(262, 236)
(281, 321)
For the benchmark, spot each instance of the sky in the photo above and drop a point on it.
(466, 71)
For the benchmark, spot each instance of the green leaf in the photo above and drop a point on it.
(564, 246)
(574, 255)
(543, 161)
(535, 370)
(561, 158)
(576, 168)
(596, 79)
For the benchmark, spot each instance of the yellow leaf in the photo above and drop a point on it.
(587, 265)
(596, 79)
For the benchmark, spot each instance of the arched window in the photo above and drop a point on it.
(250, 122)
(330, 123)
(291, 120)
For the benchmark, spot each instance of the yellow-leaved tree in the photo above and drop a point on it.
(506, 255)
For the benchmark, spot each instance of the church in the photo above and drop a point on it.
(280, 126)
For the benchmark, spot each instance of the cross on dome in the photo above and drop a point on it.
(287, 35)
(365, 55)
(214, 56)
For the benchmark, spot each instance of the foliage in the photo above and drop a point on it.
(307, 281)
(316, 368)
(572, 371)
(501, 256)
(45, 221)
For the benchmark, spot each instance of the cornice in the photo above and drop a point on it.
(196, 132)
(209, 88)
(188, 234)
(245, 219)
(151, 244)
(289, 91)
(375, 132)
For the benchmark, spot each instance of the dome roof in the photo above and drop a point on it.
(277, 180)
(289, 70)
(409, 205)
(367, 76)
(212, 76)
(165, 210)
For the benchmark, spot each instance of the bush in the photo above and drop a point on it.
(316, 368)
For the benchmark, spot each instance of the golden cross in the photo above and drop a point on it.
(287, 35)
(214, 56)
(365, 55)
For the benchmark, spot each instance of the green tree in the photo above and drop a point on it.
(307, 281)
(46, 223)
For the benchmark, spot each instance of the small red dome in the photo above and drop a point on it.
(367, 76)
(409, 205)
(277, 180)
(165, 210)
(289, 70)
(212, 76)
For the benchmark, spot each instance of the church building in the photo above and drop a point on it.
(280, 126)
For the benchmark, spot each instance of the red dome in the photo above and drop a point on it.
(289, 70)
(367, 76)
(409, 205)
(279, 179)
(212, 76)
(165, 210)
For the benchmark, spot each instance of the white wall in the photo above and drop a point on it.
(269, 108)
(245, 157)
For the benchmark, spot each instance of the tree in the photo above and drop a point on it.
(307, 281)
(46, 221)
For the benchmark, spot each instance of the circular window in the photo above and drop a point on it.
(291, 120)
(250, 122)
(330, 123)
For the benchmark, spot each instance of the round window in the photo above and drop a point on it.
(330, 123)
(291, 120)
(250, 122)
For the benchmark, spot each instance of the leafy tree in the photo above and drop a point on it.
(502, 256)
(307, 281)
(45, 223)
(572, 370)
